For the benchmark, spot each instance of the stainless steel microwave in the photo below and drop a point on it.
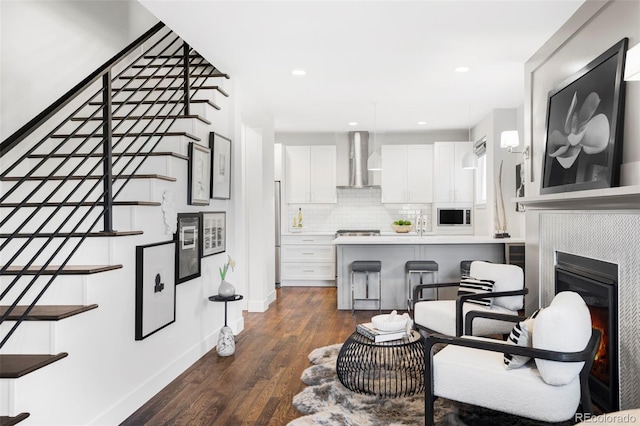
(453, 216)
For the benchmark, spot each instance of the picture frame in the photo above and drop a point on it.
(213, 232)
(155, 288)
(199, 189)
(220, 166)
(585, 114)
(187, 238)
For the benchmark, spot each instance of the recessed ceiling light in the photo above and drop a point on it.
(422, 123)
(298, 72)
(462, 69)
(353, 123)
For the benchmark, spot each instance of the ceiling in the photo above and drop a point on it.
(384, 64)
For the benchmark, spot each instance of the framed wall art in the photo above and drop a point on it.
(199, 189)
(220, 166)
(155, 288)
(188, 247)
(584, 126)
(213, 233)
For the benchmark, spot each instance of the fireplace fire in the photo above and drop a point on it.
(600, 368)
(596, 281)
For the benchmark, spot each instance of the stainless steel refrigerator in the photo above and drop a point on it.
(278, 222)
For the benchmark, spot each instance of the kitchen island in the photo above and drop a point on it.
(395, 250)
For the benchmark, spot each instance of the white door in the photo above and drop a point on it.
(443, 161)
(297, 166)
(394, 175)
(323, 174)
(420, 173)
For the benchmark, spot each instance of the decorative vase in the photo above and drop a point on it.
(226, 289)
(226, 342)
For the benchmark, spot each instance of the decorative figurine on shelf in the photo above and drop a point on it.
(226, 289)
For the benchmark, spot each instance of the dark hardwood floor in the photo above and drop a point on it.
(255, 386)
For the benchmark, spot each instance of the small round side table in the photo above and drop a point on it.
(390, 369)
(226, 342)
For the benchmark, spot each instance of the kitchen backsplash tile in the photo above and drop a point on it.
(356, 209)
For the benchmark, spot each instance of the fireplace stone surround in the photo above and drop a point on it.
(612, 236)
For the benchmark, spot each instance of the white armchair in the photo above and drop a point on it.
(446, 316)
(550, 388)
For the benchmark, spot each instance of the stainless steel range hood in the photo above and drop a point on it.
(358, 157)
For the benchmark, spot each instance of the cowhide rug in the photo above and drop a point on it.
(327, 402)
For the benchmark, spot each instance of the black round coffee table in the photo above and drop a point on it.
(386, 369)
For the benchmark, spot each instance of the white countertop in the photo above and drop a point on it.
(427, 239)
(303, 233)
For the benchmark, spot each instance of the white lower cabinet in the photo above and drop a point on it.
(308, 260)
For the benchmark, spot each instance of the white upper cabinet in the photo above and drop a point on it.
(453, 183)
(311, 174)
(407, 173)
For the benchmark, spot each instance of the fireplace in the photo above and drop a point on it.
(596, 281)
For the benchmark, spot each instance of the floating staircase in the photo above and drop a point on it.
(65, 176)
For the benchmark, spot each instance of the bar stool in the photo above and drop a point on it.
(465, 267)
(419, 267)
(366, 267)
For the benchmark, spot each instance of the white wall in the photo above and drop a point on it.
(108, 374)
(491, 127)
(39, 38)
(593, 29)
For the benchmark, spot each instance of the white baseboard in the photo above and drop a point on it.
(128, 404)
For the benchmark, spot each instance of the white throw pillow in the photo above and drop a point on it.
(505, 277)
(521, 335)
(564, 326)
(469, 285)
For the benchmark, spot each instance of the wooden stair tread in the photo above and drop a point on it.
(118, 135)
(46, 312)
(84, 204)
(74, 234)
(67, 270)
(92, 177)
(144, 117)
(158, 101)
(14, 366)
(10, 421)
(115, 154)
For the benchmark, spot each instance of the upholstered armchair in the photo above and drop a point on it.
(547, 384)
(505, 296)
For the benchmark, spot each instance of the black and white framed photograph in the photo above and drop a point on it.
(213, 233)
(155, 288)
(188, 247)
(220, 166)
(585, 125)
(199, 174)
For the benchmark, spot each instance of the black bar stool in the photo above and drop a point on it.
(465, 267)
(421, 267)
(366, 267)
